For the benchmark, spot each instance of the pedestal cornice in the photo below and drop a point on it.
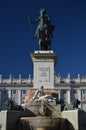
(46, 55)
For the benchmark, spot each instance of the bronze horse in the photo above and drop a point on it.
(44, 30)
(11, 105)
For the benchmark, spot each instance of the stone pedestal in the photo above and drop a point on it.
(44, 62)
(76, 117)
(9, 119)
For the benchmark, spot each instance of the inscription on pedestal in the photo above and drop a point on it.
(44, 74)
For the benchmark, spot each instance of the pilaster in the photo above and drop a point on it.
(80, 96)
(59, 95)
(9, 94)
(68, 93)
(19, 96)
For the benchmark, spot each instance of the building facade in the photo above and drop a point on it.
(68, 88)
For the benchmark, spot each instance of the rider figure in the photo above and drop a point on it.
(44, 22)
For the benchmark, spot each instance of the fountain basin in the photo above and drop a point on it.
(43, 123)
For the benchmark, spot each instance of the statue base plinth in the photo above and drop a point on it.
(44, 62)
(49, 51)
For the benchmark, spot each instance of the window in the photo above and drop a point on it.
(74, 91)
(23, 91)
(5, 91)
(84, 91)
(13, 91)
(64, 91)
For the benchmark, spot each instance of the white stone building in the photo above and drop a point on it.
(17, 89)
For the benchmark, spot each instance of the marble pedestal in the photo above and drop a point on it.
(44, 62)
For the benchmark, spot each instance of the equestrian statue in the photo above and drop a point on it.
(44, 31)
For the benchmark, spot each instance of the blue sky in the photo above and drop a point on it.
(17, 41)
